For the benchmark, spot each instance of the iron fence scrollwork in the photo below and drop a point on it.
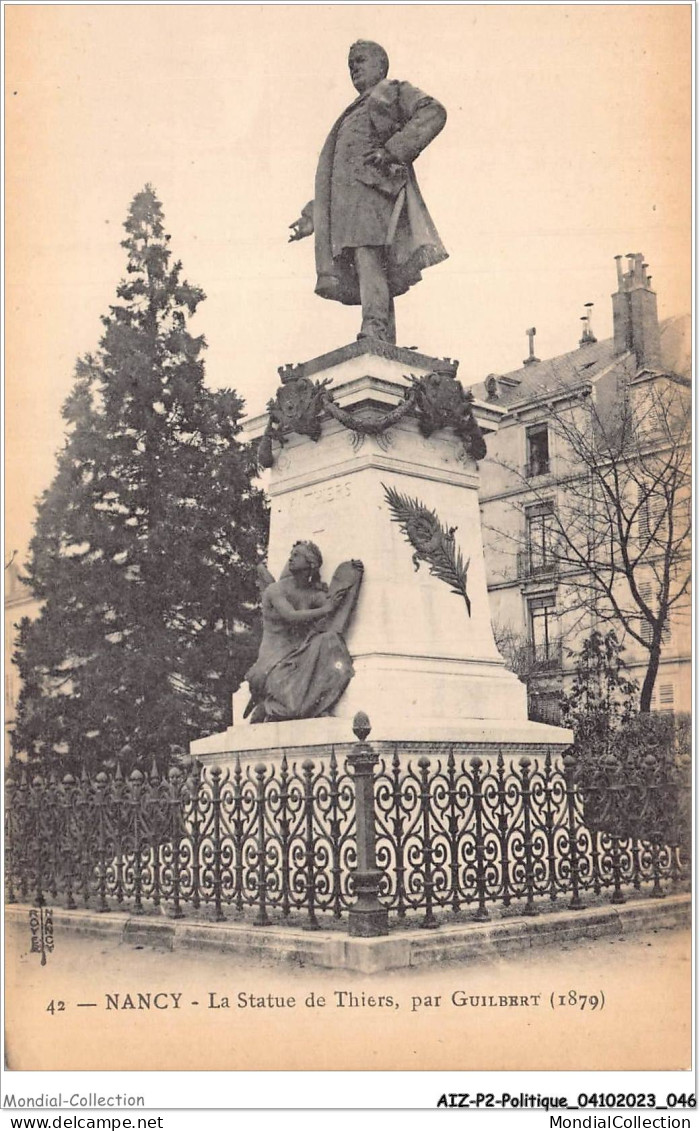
(363, 832)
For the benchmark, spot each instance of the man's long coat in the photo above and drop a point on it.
(404, 120)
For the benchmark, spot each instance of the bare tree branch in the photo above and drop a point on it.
(620, 506)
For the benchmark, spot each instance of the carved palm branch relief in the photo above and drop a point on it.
(432, 541)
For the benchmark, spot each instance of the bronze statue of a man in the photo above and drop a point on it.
(373, 232)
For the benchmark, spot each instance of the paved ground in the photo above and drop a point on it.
(406, 1019)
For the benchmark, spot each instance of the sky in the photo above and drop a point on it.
(567, 143)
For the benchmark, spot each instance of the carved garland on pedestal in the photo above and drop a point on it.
(438, 400)
(362, 428)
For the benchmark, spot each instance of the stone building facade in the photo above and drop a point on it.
(539, 621)
(18, 603)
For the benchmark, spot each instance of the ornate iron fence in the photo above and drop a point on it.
(358, 833)
(458, 832)
(269, 837)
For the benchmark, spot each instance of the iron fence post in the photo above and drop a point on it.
(576, 903)
(68, 840)
(84, 834)
(118, 798)
(195, 791)
(366, 917)
(154, 808)
(636, 870)
(216, 776)
(66, 857)
(101, 801)
(174, 804)
(53, 814)
(10, 836)
(136, 801)
(526, 791)
(617, 895)
(307, 767)
(549, 824)
(659, 803)
(453, 830)
(397, 820)
(503, 832)
(657, 892)
(335, 835)
(262, 918)
(426, 842)
(23, 838)
(238, 832)
(285, 825)
(36, 795)
(481, 913)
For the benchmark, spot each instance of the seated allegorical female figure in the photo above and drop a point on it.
(303, 665)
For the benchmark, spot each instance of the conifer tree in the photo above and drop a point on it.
(146, 543)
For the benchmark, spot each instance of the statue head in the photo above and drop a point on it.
(305, 561)
(368, 63)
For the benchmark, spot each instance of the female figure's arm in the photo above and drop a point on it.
(286, 611)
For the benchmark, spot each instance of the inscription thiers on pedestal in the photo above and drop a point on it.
(321, 495)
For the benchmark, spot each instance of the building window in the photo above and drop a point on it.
(544, 635)
(666, 696)
(540, 539)
(645, 629)
(651, 518)
(646, 632)
(537, 442)
(545, 707)
(663, 698)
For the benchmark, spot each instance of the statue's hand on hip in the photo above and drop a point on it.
(379, 159)
(384, 162)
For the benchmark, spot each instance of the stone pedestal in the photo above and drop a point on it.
(423, 666)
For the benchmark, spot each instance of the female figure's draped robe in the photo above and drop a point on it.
(302, 670)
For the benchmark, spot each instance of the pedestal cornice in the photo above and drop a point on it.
(370, 347)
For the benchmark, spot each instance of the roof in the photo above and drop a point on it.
(586, 363)
(677, 344)
(16, 589)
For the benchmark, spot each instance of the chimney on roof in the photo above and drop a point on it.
(531, 359)
(635, 317)
(587, 336)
